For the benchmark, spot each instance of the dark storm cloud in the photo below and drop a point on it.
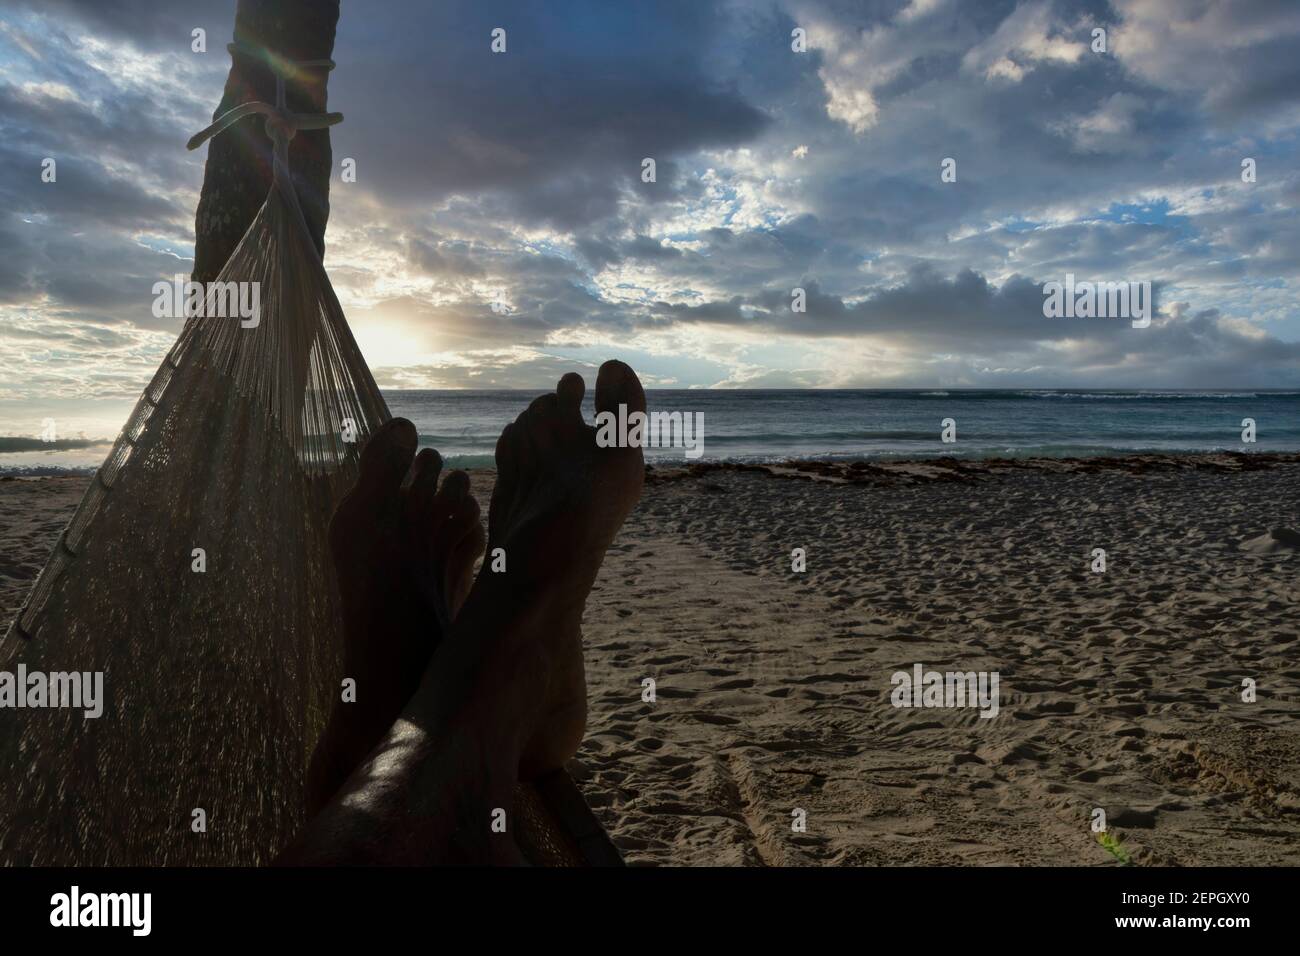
(444, 260)
(121, 174)
(968, 316)
(1236, 59)
(929, 309)
(84, 192)
(146, 24)
(113, 150)
(559, 123)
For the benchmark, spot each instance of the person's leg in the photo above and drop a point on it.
(404, 560)
(502, 697)
(558, 502)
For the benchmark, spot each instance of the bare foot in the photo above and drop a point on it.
(404, 558)
(503, 696)
(559, 501)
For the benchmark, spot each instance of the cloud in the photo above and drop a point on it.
(1031, 35)
(965, 315)
(554, 129)
(514, 180)
(1231, 57)
(145, 24)
(482, 368)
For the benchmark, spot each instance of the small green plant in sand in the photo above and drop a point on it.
(1112, 846)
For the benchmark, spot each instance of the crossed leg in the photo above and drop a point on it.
(501, 697)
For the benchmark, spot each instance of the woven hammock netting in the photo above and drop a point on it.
(217, 683)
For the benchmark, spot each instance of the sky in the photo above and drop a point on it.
(515, 179)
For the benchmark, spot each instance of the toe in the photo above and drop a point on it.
(449, 501)
(618, 385)
(465, 531)
(384, 463)
(424, 474)
(420, 508)
(507, 458)
(508, 469)
(454, 488)
(460, 539)
(540, 427)
(462, 521)
(570, 391)
(544, 405)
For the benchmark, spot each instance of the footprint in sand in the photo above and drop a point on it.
(1279, 542)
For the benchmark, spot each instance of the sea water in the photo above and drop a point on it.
(774, 424)
(770, 425)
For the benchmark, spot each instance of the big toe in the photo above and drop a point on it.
(616, 385)
(385, 461)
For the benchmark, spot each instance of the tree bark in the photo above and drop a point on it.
(237, 175)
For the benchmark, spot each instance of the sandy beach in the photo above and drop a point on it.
(1119, 690)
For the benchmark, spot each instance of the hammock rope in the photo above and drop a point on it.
(218, 683)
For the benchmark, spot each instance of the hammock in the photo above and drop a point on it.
(216, 683)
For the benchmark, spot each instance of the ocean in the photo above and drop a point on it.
(774, 424)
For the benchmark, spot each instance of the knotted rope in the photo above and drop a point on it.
(282, 124)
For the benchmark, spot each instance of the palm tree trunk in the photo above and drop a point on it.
(238, 171)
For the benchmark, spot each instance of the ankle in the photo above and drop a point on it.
(482, 673)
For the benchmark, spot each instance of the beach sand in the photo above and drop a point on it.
(1120, 690)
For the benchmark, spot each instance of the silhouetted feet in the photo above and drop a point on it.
(503, 697)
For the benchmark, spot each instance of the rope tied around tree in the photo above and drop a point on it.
(282, 124)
